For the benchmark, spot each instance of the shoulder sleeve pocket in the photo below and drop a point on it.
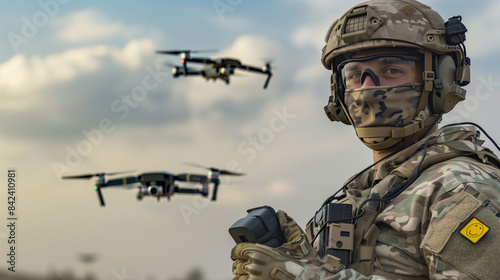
(467, 238)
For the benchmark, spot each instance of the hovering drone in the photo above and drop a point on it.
(219, 68)
(159, 184)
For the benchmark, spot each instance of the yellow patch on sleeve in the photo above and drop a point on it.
(474, 230)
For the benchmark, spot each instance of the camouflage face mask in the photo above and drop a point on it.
(387, 106)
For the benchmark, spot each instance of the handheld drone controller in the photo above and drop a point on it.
(261, 225)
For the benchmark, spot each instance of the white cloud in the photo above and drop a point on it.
(312, 72)
(89, 25)
(251, 48)
(322, 14)
(311, 35)
(23, 77)
(483, 36)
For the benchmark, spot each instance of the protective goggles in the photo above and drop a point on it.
(381, 69)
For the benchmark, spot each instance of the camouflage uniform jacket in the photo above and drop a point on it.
(419, 230)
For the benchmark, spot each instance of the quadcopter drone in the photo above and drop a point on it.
(159, 184)
(219, 68)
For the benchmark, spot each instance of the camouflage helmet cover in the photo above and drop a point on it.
(387, 23)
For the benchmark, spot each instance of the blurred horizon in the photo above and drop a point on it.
(193, 274)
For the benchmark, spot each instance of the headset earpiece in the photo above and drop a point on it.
(333, 109)
(334, 112)
(447, 92)
(450, 74)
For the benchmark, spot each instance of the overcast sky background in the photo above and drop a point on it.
(67, 69)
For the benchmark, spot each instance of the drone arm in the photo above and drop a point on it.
(120, 181)
(199, 60)
(216, 186)
(113, 183)
(267, 80)
(251, 68)
(179, 190)
(99, 194)
(191, 72)
(264, 70)
(191, 178)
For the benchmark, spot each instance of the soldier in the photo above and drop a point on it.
(429, 207)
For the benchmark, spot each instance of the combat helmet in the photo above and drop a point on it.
(400, 24)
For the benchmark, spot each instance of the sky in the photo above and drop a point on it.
(82, 91)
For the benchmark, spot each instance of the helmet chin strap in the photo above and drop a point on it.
(369, 72)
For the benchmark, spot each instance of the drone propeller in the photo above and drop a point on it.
(173, 52)
(176, 52)
(221, 171)
(267, 60)
(88, 176)
(99, 181)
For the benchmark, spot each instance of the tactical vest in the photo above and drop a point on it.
(365, 233)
